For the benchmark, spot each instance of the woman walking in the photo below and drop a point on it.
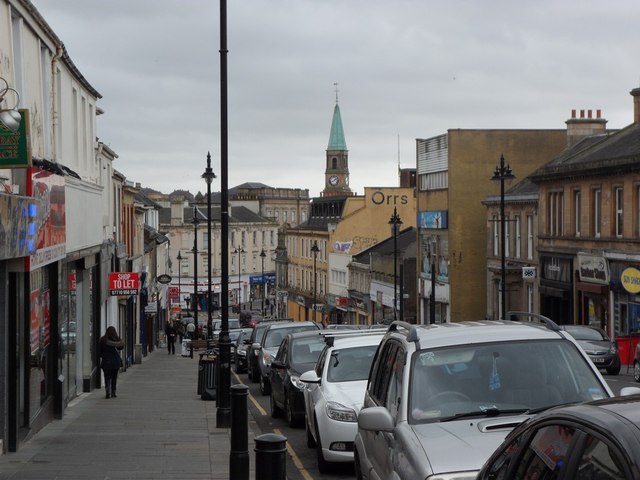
(110, 361)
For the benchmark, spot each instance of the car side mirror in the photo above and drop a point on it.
(310, 377)
(375, 419)
(278, 364)
(626, 391)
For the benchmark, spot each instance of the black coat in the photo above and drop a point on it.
(109, 354)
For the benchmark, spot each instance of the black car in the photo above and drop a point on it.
(252, 352)
(298, 353)
(602, 351)
(241, 346)
(592, 440)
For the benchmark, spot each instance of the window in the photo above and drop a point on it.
(303, 216)
(244, 242)
(597, 213)
(618, 192)
(529, 237)
(284, 216)
(577, 213)
(205, 241)
(518, 252)
(554, 226)
(255, 238)
(599, 460)
(507, 236)
(233, 239)
(293, 216)
(546, 455)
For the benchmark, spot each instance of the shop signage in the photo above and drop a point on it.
(556, 269)
(151, 308)
(174, 293)
(124, 283)
(164, 278)
(15, 147)
(437, 219)
(593, 269)
(630, 280)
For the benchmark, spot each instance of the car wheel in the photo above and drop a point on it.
(290, 417)
(311, 442)
(636, 371)
(356, 465)
(275, 410)
(323, 465)
(615, 370)
(265, 387)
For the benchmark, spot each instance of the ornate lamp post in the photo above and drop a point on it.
(195, 222)
(208, 176)
(314, 250)
(264, 286)
(179, 259)
(395, 222)
(502, 173)
(239, 250)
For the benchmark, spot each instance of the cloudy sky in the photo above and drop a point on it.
(405, 69)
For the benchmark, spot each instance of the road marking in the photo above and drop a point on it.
(262, 411)
(296, 461)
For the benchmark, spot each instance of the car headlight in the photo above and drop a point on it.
(613, 350)
(267, 358)
(295, 381)
(339, 412)
(242, 353)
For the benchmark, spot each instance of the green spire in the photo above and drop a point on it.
(336, 137)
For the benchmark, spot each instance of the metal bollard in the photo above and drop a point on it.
(239, 454)
(270, 457)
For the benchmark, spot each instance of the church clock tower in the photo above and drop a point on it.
(336, 174)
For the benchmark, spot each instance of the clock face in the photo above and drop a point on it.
(333, 180)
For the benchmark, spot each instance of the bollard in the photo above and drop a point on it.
(270, 457)
(239, 454)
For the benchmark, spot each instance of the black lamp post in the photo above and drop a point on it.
(314, 250)
(239, 250)
(179, 258)
(208, 176)
(502, 173)
(395, 221)
(196, 222)
(264, 287)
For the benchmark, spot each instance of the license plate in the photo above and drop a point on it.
(598, 360)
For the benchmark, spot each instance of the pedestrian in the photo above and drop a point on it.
(180, 330)
(171, 332)
(191, 328)
(110, 345)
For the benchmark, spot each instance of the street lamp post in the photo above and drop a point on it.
(179, 258)
(395, 221)
(239, 250)
(196, 222)
(314, 250)
(502, 173)
(264, 287)
(208, 176)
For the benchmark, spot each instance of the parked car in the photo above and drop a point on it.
(298, 353)
(636, 364)
(216, 326)
(268, 348)
(335, 392)
(592, 440)
(602, 351)
(440, 398)
(240, 347)
(254, 349)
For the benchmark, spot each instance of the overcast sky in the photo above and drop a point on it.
(405, 69)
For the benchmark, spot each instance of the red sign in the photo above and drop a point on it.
(123, 283)
(342, 302)
(174, 293)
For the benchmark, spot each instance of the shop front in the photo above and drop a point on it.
(556, 288)
(592, 289)
(625, 294)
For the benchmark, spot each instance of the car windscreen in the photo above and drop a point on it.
(273, 337)
(305, 351)
(582, 333)
(350, 364)
(499, 377)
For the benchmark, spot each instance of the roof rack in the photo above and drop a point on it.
(329, 336)
(550, 324)
(412, 331)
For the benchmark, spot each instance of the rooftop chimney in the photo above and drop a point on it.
(636, 104)
(585, 126)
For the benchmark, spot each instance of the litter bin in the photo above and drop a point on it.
(207, 380)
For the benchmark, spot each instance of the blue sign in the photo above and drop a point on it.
(269, 278)
(437, 219)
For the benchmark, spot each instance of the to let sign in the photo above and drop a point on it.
(123, 283)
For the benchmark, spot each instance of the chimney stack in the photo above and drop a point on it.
(636, 104)
(585, 126)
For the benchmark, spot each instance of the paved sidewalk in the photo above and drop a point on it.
(157, 428)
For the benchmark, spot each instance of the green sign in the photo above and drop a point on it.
(15, 151)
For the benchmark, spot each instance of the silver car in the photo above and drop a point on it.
(441, 398)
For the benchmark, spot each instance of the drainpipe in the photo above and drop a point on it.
(54, 92)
